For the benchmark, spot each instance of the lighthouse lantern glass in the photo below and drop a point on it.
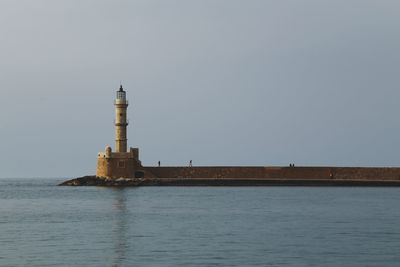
(121, 95)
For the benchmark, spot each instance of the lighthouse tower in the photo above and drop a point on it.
(121, 121)
(121, 163)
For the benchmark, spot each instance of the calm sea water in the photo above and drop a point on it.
(42, 224)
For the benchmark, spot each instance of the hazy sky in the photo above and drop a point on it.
(221, 82)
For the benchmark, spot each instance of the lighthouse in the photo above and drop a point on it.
(121, 163)
(121, 121)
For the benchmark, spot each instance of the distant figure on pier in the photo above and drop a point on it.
(190, 163)
(159, 163)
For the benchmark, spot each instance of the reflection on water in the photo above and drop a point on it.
(120, 228)
(45, 225)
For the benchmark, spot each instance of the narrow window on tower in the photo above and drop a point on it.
(121, 164)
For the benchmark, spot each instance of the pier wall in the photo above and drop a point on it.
(317, 173)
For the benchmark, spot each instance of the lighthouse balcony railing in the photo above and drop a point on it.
(121, 102)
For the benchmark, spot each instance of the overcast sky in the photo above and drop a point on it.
(221, 82)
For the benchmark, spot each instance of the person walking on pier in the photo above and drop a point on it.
(190, 163)
(159, 163)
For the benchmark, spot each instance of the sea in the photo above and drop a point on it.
(42, 224)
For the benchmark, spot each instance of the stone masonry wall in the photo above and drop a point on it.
(116, 167)
(346, 173)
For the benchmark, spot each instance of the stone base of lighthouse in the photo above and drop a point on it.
(119, 164)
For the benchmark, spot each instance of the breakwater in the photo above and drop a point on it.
(243, 176)
(251, 176)
(345, 173)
